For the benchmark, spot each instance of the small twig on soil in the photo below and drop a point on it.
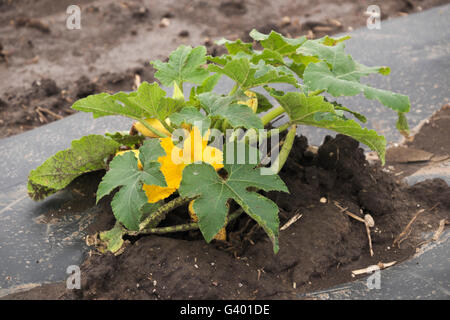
(437, 234)
(42, 118)
(137, 81)
(370, 239)
(291, 221)
(370, 269)
(440, 230)
(344, 210)
(368, 222)
(55, 115)
(259, 273)
(405, 233)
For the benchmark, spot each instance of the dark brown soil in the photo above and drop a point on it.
(317, 251)
(44, 67)
(434, 134)
(428, 149)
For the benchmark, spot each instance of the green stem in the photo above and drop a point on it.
(315, 93)
(180, 227)
(285, 150)
(218, 124)
(233, 91)
(280, 129)
(163, 230)
(165, 125)
(149, 127)
(225, 125)
(272, 115)
(160, 214)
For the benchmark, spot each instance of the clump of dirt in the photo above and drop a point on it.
(317, 251)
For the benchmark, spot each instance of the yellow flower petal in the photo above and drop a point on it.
(252, 103)
(171, 171)
(155, 123)
(195, 149)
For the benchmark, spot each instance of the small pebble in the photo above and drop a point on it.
(165, 22)
(285, 21)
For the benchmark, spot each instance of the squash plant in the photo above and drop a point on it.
(153, 170)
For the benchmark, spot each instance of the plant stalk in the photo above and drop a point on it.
(265, 119)
(233, 91)
(160, 214)
(315, 93)
(285, 150)
(181, 227)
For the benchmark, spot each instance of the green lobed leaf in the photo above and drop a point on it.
(124, 172)
(184, 65)
(277, 42)
(340, 75)
(235, 47)
(302, 110)
(85, 155)
(226, 108)
(318, 76)
(207, 86)
(276, 48)
(153, 100)
(192, 116)
(339, 61)
(104, 104)
(248, 75)
(213, 192)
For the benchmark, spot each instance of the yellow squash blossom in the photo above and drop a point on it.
(195, 149)
(155, 123)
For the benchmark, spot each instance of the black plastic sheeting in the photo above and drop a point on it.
(416, 47)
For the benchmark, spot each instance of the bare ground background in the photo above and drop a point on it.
(44, 67)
